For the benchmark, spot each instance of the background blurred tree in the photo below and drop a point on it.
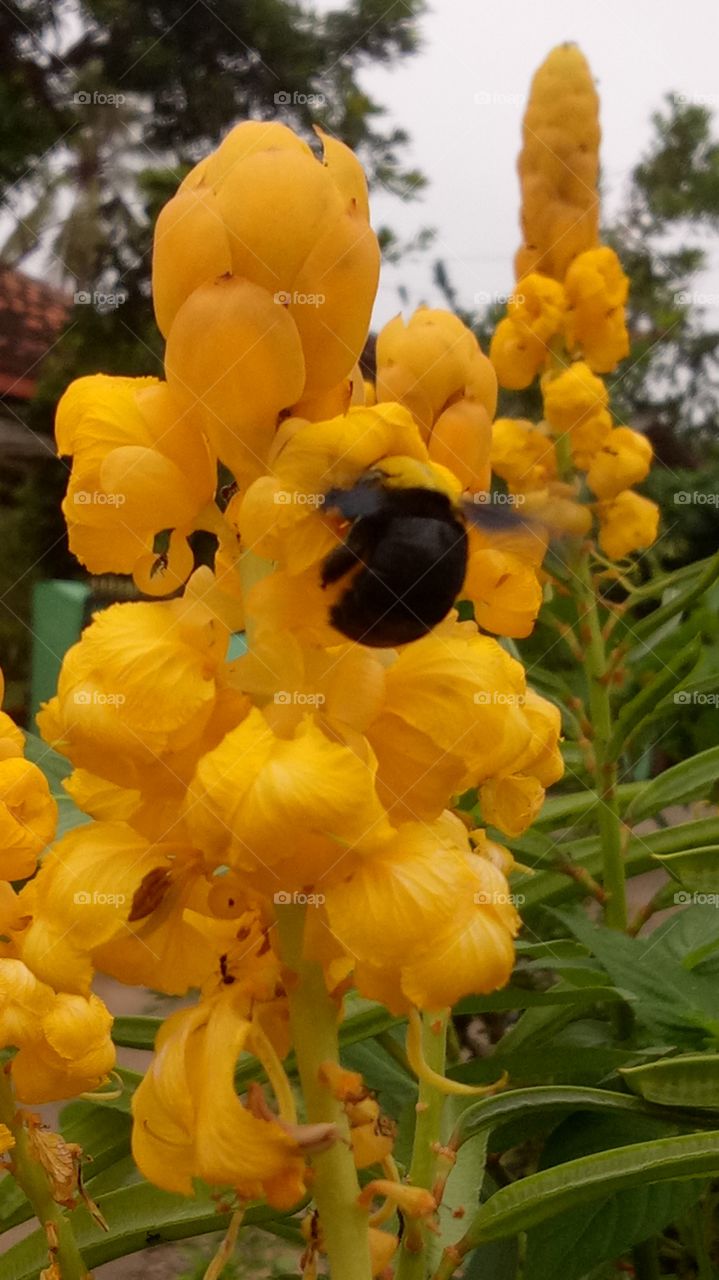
(108, 102)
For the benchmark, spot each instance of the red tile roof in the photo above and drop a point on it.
(32, 315)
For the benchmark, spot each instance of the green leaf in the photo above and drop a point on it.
(642, 707)
(684, 781)
(135, 1032)
(521, 1104)
(696, 868)
(543, 1195)
(559, 810)
(525, 998)
(573, 1243)
(137, 1216)
(689, 1080)
(645, 628)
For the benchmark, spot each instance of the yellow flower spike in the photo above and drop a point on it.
(190, 247)
(628, 522)
(559, 165)
(511, 803)
(242, 141)
(450, 1087)
(624, 460)
(28, 817)
(234, 359)
(597, 290)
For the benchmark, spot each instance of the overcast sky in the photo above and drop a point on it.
(462, 99)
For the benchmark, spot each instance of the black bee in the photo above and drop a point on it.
(412, 546)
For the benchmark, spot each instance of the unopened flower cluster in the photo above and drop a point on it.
(566, 324)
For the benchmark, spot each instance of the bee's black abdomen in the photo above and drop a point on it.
(409, 582)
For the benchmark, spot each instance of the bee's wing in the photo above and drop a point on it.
(493, 518)
(364, 499)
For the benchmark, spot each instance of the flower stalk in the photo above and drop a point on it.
(609, 821)
(313, 1017)
(32, 1179)
(413, 1259)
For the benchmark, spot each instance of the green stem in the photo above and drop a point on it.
(32, 1179)
(600, 711)
(313, 1018)
(413, 1256)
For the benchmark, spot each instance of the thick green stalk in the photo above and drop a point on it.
(600, 714)
(32, 1179)
(413, 1256)
(313, 1017)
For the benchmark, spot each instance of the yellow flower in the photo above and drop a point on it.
(28, 816)
(516, 354)
(141, 465)
(512, 802)
(522, 455)
(521, 341)
(426, 920)
(117, 708)
(597, 290)
(283, 811)
(452, 715)
(628, 522)
(431, 362)
(623, 460)
(559, 165)
(63, 1041)
(542, 758)
(504, 590)
(573, 395)
(189, 1122)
